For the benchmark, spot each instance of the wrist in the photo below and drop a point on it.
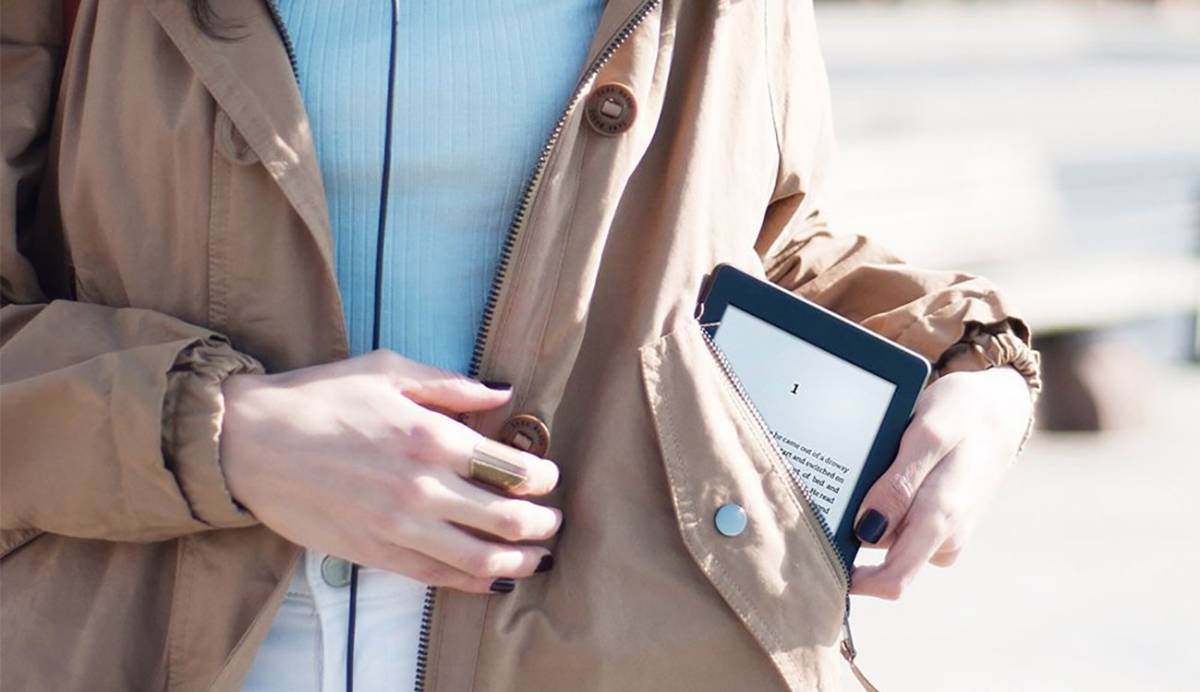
(231, 437)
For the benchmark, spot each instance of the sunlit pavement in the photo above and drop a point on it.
(1083, 576)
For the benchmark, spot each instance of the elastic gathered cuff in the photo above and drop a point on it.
(193, 411)
(999, 344)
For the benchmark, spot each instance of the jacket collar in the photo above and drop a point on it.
(251, 80)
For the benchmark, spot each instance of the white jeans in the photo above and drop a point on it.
(305, 650)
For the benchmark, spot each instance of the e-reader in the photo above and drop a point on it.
(836, 397)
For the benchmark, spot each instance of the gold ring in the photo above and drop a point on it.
(497, 465)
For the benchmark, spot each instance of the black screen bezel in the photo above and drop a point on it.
(843, 339)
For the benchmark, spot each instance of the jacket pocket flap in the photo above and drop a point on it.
(778, 574)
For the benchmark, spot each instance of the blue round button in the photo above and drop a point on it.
(731, 520)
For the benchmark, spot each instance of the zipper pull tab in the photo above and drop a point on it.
(850, 653)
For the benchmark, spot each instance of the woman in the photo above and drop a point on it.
(237, 235)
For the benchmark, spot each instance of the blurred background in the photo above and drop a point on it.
(1053, 147)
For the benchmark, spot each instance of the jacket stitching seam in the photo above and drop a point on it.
(768, 78)
(435, 653)
(558, 265)
(176, 629)
(520, 257)
(487, 610)
(129, 510)
(217, 236)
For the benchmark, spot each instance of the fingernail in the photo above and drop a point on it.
(504, 585)
(491, 384)
(546, 564)
(871, 526)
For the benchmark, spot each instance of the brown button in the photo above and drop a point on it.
(611, 109)
(231, 143)
(527, 433)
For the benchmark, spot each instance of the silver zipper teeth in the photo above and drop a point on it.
(792, 473)
(506, 250)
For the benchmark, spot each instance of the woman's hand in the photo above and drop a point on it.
(354, 458)
(961, 442)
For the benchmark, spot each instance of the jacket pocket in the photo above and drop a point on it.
(780, 574)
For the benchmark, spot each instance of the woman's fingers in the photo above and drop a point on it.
(933, 527)
(909, 552)
(447, 442)
(925, 529)
(507, 518)
(925, 443)
(474, 556)
(428, 570)
(442, 389)
(428, 436)
(945, 557)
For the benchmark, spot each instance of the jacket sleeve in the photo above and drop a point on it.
(956, 320)
(110, 416)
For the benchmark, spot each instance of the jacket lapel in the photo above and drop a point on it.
(251, 79)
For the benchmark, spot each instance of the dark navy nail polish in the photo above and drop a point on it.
(492, 384)
(546, 564)
(504, 585)
(871, 526)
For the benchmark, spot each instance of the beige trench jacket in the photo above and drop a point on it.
(164, 226)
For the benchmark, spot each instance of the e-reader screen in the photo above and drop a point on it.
(823, 411)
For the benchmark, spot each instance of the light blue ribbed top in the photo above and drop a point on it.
(479, 86)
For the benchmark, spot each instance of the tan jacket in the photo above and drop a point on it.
(164, 225)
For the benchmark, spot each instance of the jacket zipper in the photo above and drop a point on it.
(506, 250)
(531, 187)
(848, 650)
(273, 9)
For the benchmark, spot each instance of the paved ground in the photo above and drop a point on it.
(1083, 576)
